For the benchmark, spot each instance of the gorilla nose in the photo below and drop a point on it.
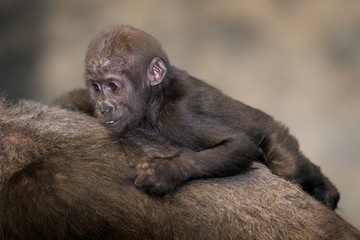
(106, 108)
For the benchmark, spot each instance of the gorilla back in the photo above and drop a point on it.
(58, 180)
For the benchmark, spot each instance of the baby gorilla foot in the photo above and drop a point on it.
(160, 176)
(326, 193)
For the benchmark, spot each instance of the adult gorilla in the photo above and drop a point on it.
(65, 176)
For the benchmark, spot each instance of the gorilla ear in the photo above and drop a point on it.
(156, 71)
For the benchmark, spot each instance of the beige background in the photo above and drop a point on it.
(298, 60)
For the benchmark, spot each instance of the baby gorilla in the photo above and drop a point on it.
(131, 84)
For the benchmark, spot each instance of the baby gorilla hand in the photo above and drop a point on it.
(162, 175)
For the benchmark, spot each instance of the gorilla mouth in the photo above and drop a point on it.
(116, 125)
(111, 122)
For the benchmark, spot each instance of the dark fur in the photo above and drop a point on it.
(132, 84)
(58, 180)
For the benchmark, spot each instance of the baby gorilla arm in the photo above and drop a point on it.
(162, 175)
(76, 100)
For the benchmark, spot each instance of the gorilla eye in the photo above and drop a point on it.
(96, 87)
(113, 86)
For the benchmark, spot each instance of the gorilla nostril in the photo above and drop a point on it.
(106, 108)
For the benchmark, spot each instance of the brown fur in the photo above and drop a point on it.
(132, 85)
(59, 180)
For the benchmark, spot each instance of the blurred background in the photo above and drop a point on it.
(298, 60)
